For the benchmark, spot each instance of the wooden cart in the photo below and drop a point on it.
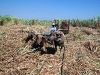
(64, 27)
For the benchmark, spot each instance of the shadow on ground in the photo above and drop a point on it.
(50, 50)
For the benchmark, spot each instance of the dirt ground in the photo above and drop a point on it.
(17, 59)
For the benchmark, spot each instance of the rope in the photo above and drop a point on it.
(62, 62)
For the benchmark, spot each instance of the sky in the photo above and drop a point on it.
(51, 9)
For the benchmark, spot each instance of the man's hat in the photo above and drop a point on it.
(53, 24)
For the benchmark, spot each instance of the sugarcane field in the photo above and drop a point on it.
(80, 56)
(50, 37)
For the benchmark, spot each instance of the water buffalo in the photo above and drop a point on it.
(59, 40)
(56, 39)
(39, 42)
(29, 37)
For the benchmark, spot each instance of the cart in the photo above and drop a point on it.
(64, 27)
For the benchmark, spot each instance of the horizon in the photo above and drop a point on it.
(50, 9)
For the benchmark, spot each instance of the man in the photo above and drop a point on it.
(53, 28)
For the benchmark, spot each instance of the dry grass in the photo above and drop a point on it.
(79, 60)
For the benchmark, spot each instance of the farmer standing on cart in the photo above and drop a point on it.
(55, 26)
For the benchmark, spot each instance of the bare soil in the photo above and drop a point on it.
(17, 59)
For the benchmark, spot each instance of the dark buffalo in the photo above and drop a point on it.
(39, 42)
(56, 39)
(30, 36)
(59, 40)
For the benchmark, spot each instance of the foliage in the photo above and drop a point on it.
(93, 22)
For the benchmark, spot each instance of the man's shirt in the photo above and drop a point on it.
(53, 29)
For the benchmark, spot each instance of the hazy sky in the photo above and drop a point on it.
(50, 9)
